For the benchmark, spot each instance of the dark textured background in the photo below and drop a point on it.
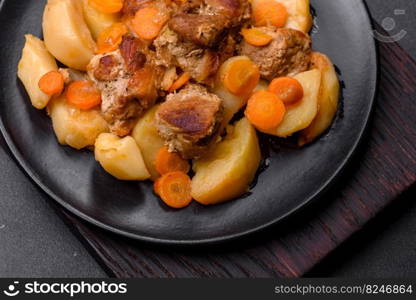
(34, 241)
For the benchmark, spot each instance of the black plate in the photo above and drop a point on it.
(294, 176)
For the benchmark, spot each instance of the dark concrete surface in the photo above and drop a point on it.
(33, 239)
(385, 248)
(35, 242)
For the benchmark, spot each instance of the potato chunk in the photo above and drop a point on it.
(121, 157)
(96, 20)
(35, 62)
(149, 141)
(66, 34)
(301, 115)
(232, 103)
(74, 127)
(328, 99)
(226, 172)
(299, 14)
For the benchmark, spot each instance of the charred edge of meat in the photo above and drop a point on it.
(130, 50)
(106, 70)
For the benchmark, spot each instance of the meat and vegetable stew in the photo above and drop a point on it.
(176, 91)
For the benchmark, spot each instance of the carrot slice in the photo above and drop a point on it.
(265, 110)
(52, 83)
(148, 21)
(256, 37)
(83, 94)
(174, 189)
(107, 6)
(241, 77)
(170, 162)
(269, 12)
(288, 89)
(180, 82)
(110, 38)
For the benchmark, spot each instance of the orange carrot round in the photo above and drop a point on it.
(256, 37)
(241, 77)
(174, 189)
(288, 89)
(269, 12)
(170, 162)
(52, 83)
(148, 21)
(83, 94)
(180, 82)
(110, 38)
(265, 110)
(107, 6)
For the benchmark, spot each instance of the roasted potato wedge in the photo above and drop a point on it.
(121, 157)
(146, 136)
(66, 34)
(35, 62)
(328, 99)
(299, 12)
(74, 127)
(96, 20)
(226, 172)
(301, 115)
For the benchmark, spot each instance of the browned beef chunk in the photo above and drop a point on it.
(289, 53)
(202, 30)
(131, 50)
(189, 121)
(200, 35)
(171, 51)
(127, 85)
(204, 23)
(106, 69)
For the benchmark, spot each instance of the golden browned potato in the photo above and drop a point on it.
(96, 20)
(74, 127)
(301, 115)
(148, 139)
(228, 169)
(121, 157)
(35, 62)
(299, 14)
(328, 99)
(66, 34)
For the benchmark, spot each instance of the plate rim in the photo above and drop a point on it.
(28, 171)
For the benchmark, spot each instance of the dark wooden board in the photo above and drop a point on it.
(383, 167)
